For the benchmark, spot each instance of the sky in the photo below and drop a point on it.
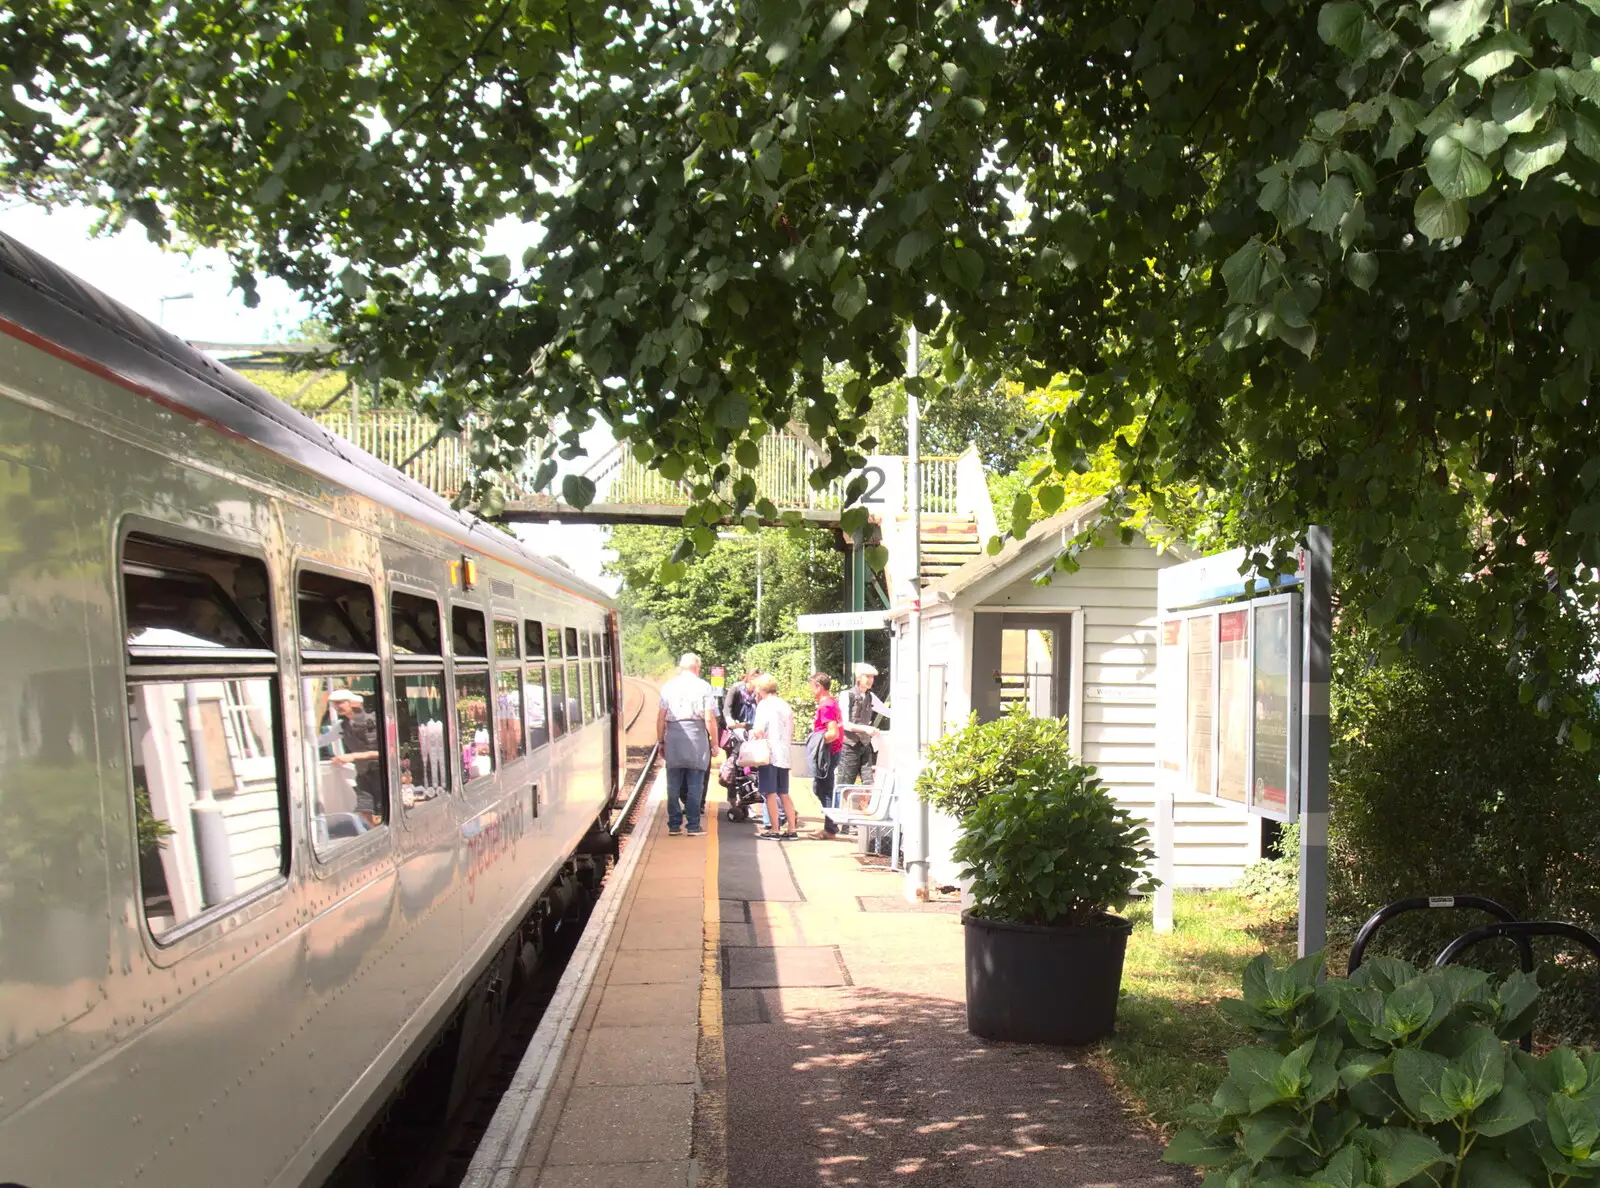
(202, 305)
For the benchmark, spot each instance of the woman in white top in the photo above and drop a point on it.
(775, 723)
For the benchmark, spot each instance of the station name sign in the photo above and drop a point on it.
(848, 621)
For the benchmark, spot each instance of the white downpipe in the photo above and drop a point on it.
(916, 852)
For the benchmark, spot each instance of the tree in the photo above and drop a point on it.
(1333, 259)
(711, 609)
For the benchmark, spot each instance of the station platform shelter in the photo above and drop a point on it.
(772, 1014)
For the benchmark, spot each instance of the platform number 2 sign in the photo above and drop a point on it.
(876, 478)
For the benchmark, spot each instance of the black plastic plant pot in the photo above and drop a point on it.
(1036, 984)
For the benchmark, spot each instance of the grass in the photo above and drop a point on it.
(1171, 1041)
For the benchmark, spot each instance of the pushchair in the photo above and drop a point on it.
(743, 787)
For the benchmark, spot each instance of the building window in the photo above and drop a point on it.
(203, 711)
(420, 701)
(346, 758)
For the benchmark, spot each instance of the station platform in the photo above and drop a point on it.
(775, 1015)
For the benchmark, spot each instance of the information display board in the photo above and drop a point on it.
(1227, 679)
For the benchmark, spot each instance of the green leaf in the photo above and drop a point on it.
(1457, 22)
(1573, 1128)
(748, 454)
(1261, 1134)
(1533, 151)
(1455, 170)
(836, 27)
(1439, 217)
(877, 557)
(1340, 24)
(851, 298)
(498, 267)
(1508, 1110)
(1409, 1007)
(1417, 1075)
(353, 283)
(1051, 496)
(1334, 201)
(1520, 103)
(1250, 272)
(1494, 55)
(577, 490)
(1362, 269)
(1199, 1150)
(910, 249)
(1488, 1169)
(1404, 1154)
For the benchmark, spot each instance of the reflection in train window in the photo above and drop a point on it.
(414, 625)
(571, 652)
(344, 756)
(588, 691)
(575, 716)
(472, 724)
(419, 707)
(533, 707)
(508, 713)
(558, 702)
(207, 798)
(506, 639)
(182, 601)
(467, 632)
(533, 637)
(552, 637)
(336, 615)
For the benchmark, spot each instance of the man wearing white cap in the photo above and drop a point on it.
(858, 707)
(358, 732)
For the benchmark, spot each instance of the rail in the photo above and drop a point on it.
(621, 820)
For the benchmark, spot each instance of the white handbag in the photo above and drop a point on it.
(755, 753)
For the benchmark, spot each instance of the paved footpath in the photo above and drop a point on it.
(772, 1015)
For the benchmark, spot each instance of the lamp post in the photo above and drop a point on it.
(917, 847)
(161, 316)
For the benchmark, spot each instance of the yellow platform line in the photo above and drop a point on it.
(711, 1095)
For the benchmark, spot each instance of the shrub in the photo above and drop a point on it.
(1272, 885)
(1393, 1077)
(1444, 780)
(981, 758)
(1052, 848)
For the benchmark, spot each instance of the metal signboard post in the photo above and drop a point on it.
(1242, 706)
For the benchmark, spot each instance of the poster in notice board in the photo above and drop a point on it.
(1171, 694)
(1201, 718)
(1273, 710)
(1233, 705)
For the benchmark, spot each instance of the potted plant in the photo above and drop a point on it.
(1050, 858)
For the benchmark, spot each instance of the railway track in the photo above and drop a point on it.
(411, 1148)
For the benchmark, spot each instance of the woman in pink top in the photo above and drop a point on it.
(831, 722)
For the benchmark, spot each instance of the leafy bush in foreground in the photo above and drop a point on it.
(1393, 1077)
(983, 757)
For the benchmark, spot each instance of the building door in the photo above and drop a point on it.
(1021, 659)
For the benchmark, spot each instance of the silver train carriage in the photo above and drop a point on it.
(289, 750)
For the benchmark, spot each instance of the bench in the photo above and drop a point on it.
(870, 809)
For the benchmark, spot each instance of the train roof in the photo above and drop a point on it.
(49, 303)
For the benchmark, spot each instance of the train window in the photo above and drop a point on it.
(575, 717)
(552, 637)
(605, 640)
(558, 701)
(533, 637)
(583, 645)
(571, 652)
(472, 723)
(212, 821)
(534, 702)
(336, 615)
(414, 625)
(603, 685)
(508, 725)
(507, 640)
(343, 706)
(594, 644)
(588, 691)
(190, 602)
(420, 716)
(467, 633)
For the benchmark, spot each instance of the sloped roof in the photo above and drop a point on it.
(1045, 541)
